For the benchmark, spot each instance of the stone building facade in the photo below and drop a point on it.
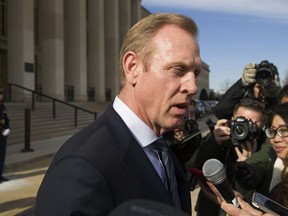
(67, 49)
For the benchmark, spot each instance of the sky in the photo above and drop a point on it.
(234, 33)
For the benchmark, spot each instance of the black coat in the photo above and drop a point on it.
(225, 107)
(101, 167)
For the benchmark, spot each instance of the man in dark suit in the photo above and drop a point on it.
(113, 160)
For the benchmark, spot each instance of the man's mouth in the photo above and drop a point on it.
(182, 108)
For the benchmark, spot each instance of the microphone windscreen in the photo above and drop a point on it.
(139, 207)
(214, 171)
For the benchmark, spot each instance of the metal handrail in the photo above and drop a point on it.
(54, 100)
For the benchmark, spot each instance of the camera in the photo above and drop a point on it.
(242, 130)
(265, 74)
(184, 149)
(189, 126)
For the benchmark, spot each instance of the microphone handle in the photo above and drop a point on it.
(226, 191)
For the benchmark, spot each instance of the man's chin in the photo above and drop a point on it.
(175, 124)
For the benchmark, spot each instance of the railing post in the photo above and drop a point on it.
(9, 92)
(27, 132)
(75, 116)
(33, 101)
(54, 109)
(95, 115)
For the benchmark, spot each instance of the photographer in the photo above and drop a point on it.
(223, 145)
(185, 140)
(259, 81)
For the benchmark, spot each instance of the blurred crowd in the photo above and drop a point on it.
(250, 137)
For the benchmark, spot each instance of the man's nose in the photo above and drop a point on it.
(189, 85)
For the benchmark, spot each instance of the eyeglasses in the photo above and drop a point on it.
(281, 131)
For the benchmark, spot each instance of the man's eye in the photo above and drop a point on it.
(197, 73)
(178, 70)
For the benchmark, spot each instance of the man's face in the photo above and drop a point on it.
(163, 91)
(250, 114)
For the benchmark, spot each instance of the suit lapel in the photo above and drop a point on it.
(139, 166)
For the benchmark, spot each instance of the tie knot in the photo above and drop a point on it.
(159, 145)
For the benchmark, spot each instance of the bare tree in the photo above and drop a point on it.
(226, 85)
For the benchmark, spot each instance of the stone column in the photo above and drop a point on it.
(21, 69)
(135, 11)
(51, 36)
(96, 49)
(112, 83)
(124, 19)
(76, 47)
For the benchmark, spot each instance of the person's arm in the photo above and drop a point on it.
(82, 190)
(207, 150)
(224, 108)
(213, 146)
(259, 160)
(249, 175)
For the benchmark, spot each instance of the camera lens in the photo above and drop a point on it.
(239, 131)
(264, 77)
(190, 125)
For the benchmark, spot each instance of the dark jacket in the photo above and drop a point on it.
(4, 120)
(101, 167)
(225, 107)
(210, 149)
(262, 163)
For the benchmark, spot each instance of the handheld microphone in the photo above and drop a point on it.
(214, 171)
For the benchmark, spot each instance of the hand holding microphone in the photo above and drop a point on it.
(214, 171)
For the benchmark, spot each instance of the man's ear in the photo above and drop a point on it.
(130, 64)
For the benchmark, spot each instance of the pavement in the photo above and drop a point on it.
(25, 169)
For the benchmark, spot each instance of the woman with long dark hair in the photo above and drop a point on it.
(278, 135)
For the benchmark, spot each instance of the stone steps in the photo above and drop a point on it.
(43, 125)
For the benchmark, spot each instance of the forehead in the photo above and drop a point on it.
(171, 38)
(278, 120)
(250, 114)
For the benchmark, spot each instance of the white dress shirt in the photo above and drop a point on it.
(142, 133)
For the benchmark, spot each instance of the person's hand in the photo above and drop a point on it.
(244, 210)
(274, 87)
(245, 175)
(249, 73)
(6, 132)
(179, 135)
(246, 149)
(221, 131)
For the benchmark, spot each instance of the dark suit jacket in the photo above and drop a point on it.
(99, 168)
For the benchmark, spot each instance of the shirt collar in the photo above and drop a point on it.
(141, 131)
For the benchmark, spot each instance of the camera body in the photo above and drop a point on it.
(190, 126)
(184, 149)
(265, 74)
(242, 130)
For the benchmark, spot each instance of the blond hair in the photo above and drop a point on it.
(138, 37)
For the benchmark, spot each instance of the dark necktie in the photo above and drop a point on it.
(160, 147)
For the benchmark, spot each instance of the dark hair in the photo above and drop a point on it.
(251, 104)
(279, 192)
(283, 93)
(282, 111)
